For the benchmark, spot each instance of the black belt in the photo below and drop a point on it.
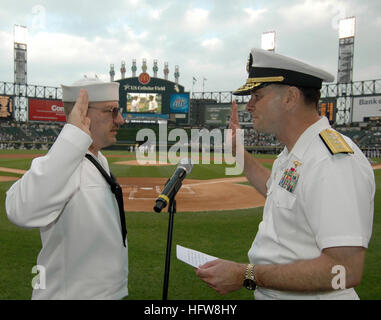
(117, 191)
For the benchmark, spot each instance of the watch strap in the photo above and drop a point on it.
(249, 282)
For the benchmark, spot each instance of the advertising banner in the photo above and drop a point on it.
(366, 107)
(46, 110)
(179, 103)
(219, 114)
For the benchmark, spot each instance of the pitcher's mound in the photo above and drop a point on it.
(140, 194)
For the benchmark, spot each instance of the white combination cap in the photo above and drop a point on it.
(268, 67)
(97, 90)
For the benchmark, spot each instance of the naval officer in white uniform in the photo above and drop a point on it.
(318, 215)
(84, 247)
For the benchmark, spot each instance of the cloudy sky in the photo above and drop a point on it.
(208, 39)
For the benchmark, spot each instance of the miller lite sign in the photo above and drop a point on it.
(179, 103)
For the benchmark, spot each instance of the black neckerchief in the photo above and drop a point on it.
(116, 190)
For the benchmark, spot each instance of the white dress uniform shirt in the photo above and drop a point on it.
(65, 196)
(331, 205)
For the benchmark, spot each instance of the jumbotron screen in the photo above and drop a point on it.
(144, 102)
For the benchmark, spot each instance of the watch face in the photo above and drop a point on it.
(249, 284)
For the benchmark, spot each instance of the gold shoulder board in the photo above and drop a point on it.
(335, 142)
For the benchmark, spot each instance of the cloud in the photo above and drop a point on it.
(134, 35)
(254, 14)
(134, 2)
(315, 12)
(196, 18)
(6, 56)
(367, 72)
(205, 38)
(212, 43)
(55, 58)
(155, 14)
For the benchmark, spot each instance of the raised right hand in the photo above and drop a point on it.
(78, 115)
(234, 125)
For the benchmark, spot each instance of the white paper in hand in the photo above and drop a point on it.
(193, 257)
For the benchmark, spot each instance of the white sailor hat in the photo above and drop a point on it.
(97, 90)
(269, 67)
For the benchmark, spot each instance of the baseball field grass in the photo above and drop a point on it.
(225, 234)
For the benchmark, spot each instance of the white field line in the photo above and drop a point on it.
(185, 186)
(231, 180)
(19, 171)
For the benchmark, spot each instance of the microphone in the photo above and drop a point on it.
(173, 184)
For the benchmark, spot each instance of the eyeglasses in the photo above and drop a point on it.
(113, 109)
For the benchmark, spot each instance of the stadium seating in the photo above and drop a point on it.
(14, 135)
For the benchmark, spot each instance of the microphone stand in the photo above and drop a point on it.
(171, 211)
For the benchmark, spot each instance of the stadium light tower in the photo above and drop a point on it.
(268, 41)
(20, 54)
(20, 72)
(347, 30)
(347, 27)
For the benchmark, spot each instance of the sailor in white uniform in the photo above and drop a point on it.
(84, 251)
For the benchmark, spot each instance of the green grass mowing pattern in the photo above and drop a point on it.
(23, 151)
(9, 174)
(23, 164)
(370, 287)
(18, 248)
(202, 231)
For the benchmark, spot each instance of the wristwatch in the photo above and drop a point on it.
(249, 282)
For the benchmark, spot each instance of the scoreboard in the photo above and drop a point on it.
(327, 108)
(6, 107)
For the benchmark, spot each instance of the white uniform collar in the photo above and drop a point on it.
(306, 138)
